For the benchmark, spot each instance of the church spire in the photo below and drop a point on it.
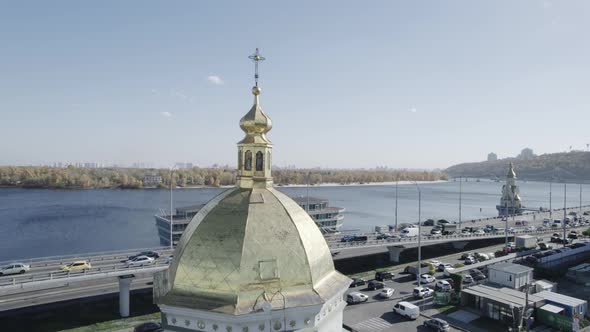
(255, 149)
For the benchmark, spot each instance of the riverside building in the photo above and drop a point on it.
(252, 259)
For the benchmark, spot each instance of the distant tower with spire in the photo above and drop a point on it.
(510, 203)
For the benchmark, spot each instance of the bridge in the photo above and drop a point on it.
(46, 283)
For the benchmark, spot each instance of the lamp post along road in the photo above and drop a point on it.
(460, 196)
(419, 232)
(564, 212)
(550, 194)
(171, 209)
(396, 183)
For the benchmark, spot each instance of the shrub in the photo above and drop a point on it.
(586, 232)
(500, 253)
(458, 265)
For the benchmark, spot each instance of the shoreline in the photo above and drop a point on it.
(327, 184)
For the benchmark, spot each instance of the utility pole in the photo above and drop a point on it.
(307, 189)
(580, 216)
(564, 211)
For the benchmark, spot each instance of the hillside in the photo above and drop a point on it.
(571, 166)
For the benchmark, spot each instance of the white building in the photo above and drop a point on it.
(511, 275)
(252, 259)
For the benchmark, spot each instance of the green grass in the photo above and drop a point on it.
(117, 324)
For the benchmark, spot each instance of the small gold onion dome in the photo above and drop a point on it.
(255, 122)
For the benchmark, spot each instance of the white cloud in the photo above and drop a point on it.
(547, 4)
(413, 110)
(166, 114)
(215, 79)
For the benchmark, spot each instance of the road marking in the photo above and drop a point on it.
(373, 324)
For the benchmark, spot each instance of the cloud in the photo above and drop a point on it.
(413, 110)
(181, 95)
(214, 79)
(547, 4)
(166, 114)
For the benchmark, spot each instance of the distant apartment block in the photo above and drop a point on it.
(152, 180)
(492, 156)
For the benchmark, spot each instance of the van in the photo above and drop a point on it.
(409, 232)
(407, 310)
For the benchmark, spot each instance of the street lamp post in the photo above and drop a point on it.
(419, 232)
(564, 211)
(460, 196)
(550, 194)
(171, 209)
(396, 183)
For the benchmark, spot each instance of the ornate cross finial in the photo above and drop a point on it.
(256, 57)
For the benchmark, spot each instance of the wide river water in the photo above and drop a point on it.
(40, 222)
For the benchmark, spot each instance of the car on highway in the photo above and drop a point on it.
(14, 268)
(422, 292)
(442, 266)
(407, 309)
(140, 261)
(435, 232)
(374, 284)
(386, 293)
(437, 324)
(384, 275)
(148, 327)
(543, 246)
(382, 236)
(470, 260)
(479, 232)
(168, 259)
(358, 282)
(427, 279)
(76, 266)
(468, 279)
(148, 253)
(356, 297)
(464, 256)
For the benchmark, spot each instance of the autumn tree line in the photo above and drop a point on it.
(134, 178)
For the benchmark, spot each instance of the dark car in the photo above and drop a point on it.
(577, 245)
(360, 238)
(374, 284)
(572, 235)
(384, 275)
(437, 324)
(347, 238)
(151, 254)
(539, 255)
(531, 260)
(358, 282)
(465, 255)
(148, 327)
(544, 246)
(382, 236)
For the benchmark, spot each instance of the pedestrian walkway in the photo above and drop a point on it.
(372, 325)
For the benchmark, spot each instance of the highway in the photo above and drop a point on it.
(45, 283)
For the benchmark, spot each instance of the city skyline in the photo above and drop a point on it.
(424, 85)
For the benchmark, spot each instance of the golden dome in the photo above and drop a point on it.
(255, 123)
(248, 247)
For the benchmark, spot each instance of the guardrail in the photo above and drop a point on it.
(93, 256)
(104, 271)
(429, 239)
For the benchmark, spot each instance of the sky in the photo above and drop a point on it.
(348, 84)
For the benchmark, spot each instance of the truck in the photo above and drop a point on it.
(526, 241)
(409, 232)
(448, 229)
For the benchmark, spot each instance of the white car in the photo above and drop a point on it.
(14, 268)
(479, 232)
(447, 272)
(443, 284)
(140, 261)
(386, 293)
(356, 297)
(434, 262)
(422, 292)
(468, 279)
(427, 279)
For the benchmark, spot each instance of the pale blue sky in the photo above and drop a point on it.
(415, 84)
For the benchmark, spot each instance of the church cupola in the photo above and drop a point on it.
(255, 150)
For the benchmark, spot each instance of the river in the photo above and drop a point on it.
(42, 222)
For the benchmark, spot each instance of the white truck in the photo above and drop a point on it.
(526, 241)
